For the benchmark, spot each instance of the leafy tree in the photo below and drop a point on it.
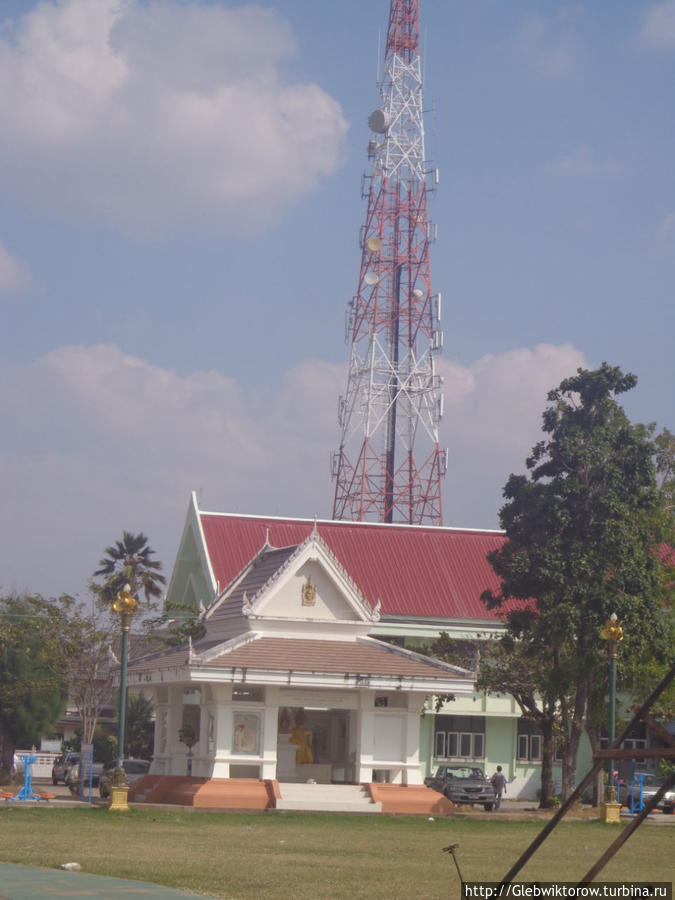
(33, 671)
(178, 623)
(129, 561)
(517, 665)
(90, 685)
(580, 540)
(140, 729)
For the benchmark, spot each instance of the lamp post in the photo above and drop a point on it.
(612, 632)
(126, 605)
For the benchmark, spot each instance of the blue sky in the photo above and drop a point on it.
(179, 189)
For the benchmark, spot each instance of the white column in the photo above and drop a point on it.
(175, 750)
(223, 730)
(413, 772)
(270, 733)
(366, 738)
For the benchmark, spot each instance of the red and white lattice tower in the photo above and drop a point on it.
(389, 466)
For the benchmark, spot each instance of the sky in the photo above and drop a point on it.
(179, 217)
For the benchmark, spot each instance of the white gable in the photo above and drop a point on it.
(308, 593)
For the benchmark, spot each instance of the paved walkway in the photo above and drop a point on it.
(28, 883)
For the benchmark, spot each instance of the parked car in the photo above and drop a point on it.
(650, 785)
(62, 766)
(133, 768)
(463, 784)
(72, 780)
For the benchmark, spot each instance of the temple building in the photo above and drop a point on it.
(307, 673)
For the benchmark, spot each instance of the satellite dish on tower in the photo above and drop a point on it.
(374, 244)
(378, 121)
(371, 278)
(418, 294)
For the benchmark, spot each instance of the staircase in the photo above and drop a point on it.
(348, 798)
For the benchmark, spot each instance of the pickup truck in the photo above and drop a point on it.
(72, 781)
(62, 766)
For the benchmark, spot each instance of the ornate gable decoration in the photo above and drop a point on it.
(308, 592)
(312, 550)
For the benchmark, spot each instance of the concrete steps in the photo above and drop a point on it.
(349, 798)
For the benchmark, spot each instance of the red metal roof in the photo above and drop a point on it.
(415, 571)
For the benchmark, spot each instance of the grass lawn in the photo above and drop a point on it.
(298, 857)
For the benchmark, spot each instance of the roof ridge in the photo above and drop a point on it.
(349, 523)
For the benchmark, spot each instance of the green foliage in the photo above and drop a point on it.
(179, 623)
(129, 561)
(580, 539)
(517, 665)
(138, 740)
(104, 747)
(33, 669)
(456, 653)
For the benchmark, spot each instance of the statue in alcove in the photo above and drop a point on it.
(302, 737)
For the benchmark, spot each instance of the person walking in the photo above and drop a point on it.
(498, 781)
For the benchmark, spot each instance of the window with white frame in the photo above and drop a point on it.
(637, 740)
(459, 737)
(529, 741)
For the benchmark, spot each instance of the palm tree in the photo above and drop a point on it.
(129, 562)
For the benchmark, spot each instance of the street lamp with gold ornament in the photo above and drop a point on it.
(612, 632)
(126, 605)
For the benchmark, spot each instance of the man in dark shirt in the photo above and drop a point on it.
(498, 786)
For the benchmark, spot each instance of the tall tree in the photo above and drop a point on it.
(580, 540)
(33, 671)
(129, 561)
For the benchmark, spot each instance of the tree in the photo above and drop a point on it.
(88, 664)
(580, 541)
(515, 664)
(140, 728)
(129, 562)
(33, 672)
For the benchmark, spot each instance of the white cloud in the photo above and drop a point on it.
(14, 276)
(160, 114)
(492, 420)
(582, 162)
(658, 26)
(95, 441)
(549, 45)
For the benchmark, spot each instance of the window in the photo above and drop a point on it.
(529, 741)
(637, 741)
(459, 737)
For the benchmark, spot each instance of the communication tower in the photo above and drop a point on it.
(389, 465)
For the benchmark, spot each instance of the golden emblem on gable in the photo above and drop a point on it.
(308, 593)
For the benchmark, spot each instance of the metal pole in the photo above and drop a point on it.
(612, 709)
(123, 688)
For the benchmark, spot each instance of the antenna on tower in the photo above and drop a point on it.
(389, 465)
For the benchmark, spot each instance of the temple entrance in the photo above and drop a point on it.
(314, 745)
